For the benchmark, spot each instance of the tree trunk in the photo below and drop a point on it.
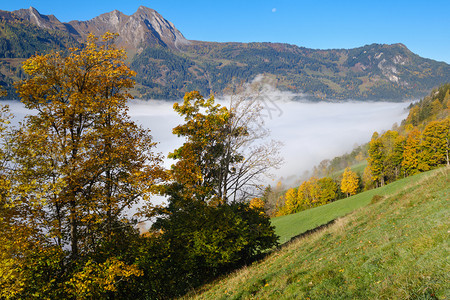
(73, 230)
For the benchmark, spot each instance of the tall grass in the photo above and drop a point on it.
(393, 248)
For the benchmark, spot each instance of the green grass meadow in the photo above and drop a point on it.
(287, 227)
(395, 246)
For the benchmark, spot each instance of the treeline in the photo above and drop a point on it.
(420, 144)
(393, 155)
(71, 172)
(312, 193)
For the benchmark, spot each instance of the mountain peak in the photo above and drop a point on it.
(33, 10)
(145, 27)
(32, 15)
(144, 9)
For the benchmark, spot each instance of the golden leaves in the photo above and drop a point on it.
(98, 278)
(350, 182)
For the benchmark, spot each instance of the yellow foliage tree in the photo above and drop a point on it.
(257, 203)
(328, 190)
(80, 161)
(97, 279)
(411, 154)
(291, 203)
(435, 143)
(350, 182)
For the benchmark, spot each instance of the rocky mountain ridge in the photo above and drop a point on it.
(144, 28)
(168, 65)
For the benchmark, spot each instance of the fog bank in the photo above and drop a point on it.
(309, 131)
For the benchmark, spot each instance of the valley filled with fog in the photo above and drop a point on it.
(309, 131)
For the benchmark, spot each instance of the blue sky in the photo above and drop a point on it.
(423, 26)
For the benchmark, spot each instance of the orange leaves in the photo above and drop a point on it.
(257, 203)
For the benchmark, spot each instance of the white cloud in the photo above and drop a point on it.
(274, 10)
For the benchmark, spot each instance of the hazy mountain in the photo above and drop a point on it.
(168, 65)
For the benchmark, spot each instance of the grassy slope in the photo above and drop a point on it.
(396, 248)
(291, 225)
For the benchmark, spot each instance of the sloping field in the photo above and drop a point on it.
(287, 227)
(396, 247)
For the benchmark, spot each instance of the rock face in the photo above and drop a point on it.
(47, 22)
(144, 28)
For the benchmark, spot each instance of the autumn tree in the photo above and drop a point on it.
(221, 159)
(328, 190)
(413, 116)
(376, 159)
(291, 203)
(411, 163)
(80, 161)
(12, 240)
(367, 178)
(257, 203)
(271, 196)
(208, 225)
(350, 182)
(312, 192)
(393, 147)
(435, 143)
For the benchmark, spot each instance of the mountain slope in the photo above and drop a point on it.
(168, 65)
(20, 39)
(395, 248)
(389, 72)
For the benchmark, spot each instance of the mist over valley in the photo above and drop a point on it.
(309, 131)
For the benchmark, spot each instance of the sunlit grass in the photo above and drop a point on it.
(394, 248)
(287, 227)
